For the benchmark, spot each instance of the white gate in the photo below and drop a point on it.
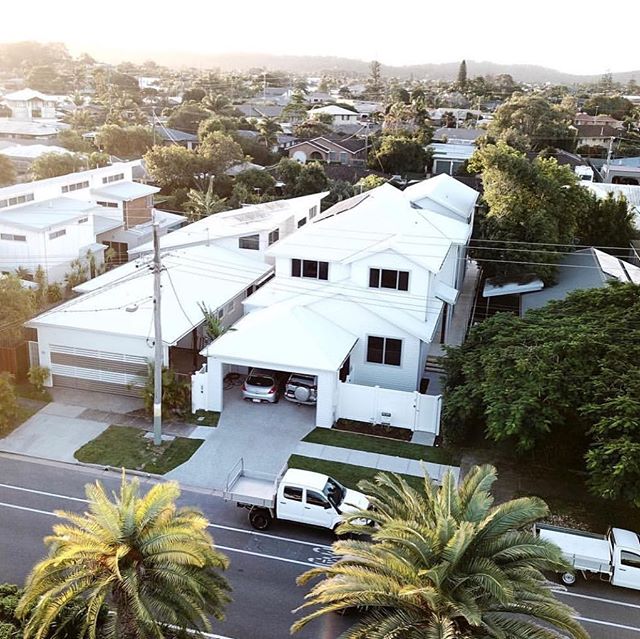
(404, 409)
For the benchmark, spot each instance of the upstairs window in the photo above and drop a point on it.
(384, 350)
(13, 238)
(251, 242)
(113, 178)
(313, 211)
(302, 222)
(109, 205)
(385, 278)
(310, 268)
(83, 220)
(67, 188)
(55, 234)
(274, 236)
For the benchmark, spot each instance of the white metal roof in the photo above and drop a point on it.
(384, 220)
(25, 127)
(243, 221)
(614, 267)
(45, 214)
(125, 191)
(29, 94)
(287, 337)
(31, 151)
(443, 192)
(333, 109)
(199, 274)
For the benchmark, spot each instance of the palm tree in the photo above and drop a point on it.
(268, 129)
(201, 203)
(443, 562)
(149, 563)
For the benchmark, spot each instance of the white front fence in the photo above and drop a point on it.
(199, 390)
(404, 409)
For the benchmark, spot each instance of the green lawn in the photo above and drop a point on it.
(367, 443)
(126, 446)
(23, 415)
(205, 418)
(346, 474)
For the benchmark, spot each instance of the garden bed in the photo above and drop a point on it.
(366, 428)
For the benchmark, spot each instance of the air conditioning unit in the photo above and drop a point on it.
(385, 418)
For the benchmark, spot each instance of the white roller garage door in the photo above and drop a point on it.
(95, 370)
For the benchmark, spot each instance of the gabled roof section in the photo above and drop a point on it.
(29, 94)
(443, 194)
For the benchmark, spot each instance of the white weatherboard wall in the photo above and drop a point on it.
(382, 405)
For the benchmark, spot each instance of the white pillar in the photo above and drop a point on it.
(327, 399)
(215, 384)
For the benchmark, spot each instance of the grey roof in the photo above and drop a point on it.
(469, 135)
(579, 270)
(174, 135)
(260, 110)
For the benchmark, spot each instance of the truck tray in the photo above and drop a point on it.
(251, 488)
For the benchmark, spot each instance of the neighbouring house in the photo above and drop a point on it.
(620, 174)
(583, 269)
(595, 135)
(251, 230)
(103, 339)
(260, 111)
(52, 222)
(11, 129)
(22, 156)
(330, 150)
(459, 135)
(169, 137)
(338, 114)
(583, 119)
(630, 192)
(449, 158)
(28, 104)
(243, 166)
(359, 295)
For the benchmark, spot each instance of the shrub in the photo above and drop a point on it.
(37, 376)
(9, 409)
(176, 392)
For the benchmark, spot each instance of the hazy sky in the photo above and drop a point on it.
(577, 37)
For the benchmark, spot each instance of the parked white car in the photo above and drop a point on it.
(302, 389)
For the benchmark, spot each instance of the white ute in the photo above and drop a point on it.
(614, 557)
(294, 495)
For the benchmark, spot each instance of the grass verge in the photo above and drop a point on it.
(346, 474)
(20, 418)
(369, 444)
(126, 446)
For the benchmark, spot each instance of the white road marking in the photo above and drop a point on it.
(592, 598)
(227, 548)
(608, 623)
(220, 526)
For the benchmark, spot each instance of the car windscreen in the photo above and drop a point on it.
(334, 492)
(260, 380)
(302, 381)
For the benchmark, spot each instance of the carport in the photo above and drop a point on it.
(285, 338)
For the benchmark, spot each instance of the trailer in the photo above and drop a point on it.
(293, 495)
(614, 557)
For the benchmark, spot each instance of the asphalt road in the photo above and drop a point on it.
(264, 566)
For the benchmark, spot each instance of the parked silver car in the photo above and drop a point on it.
(302, 389)
(262, 386)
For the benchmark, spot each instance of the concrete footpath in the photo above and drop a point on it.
(387, 463)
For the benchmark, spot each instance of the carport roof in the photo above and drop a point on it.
(286, 337)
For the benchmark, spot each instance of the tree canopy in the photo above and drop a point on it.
(125, 142)
(53, 164)
(220, 152)
(443, 562)
(399, 155)
(187, 117)
(7, 171)
(173, 167)
(17, 304)
(562, 380)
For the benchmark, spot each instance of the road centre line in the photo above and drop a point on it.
(220, 526)
(592, 598)
(307, 564)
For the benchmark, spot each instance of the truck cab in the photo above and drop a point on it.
(315, 499)
(625, 554)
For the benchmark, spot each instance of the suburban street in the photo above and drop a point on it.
(264, 566)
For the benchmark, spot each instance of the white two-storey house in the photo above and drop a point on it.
(358, 297)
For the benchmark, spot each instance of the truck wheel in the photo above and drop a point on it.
(568, 578)
(260, 519)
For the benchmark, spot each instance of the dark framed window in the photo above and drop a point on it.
(274, 236)
(302, 222)
(55, 234)
(249, 242)
(384, 350)
(387, 278)
(292, 493)
(310, 268)
(627, 558)
(316, 499)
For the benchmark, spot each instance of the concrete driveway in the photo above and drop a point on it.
(54, 432)
(264, 435)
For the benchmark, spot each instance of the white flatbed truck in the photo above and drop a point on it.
(294, 495)
(614, 557)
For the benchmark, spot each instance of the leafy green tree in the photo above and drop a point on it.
(257, 180)
(443, 562)
(607, 222)
(125, 142)
(534, 203)
(616, 106)
(462, 76)
(97, 160)
(53, 164)
(18, 305)
(398, 155)
(204, 202)
(215, 123)
(296, 109)
(312, 179)
(46, 79)
(187, 117)
(268, 129)
(375, 84)
(71, 140)
(338, 190)
(542, 123)
(560, 382)
(81, 120)
(255, 150)
(7, 171)
(220, 152)
(367, 183)
(150, 563)
(173, 167)
(194, 94)
(9, 408)
(310, 129)
(288, 171)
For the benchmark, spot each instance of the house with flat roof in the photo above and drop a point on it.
(389, 264)
(41, 220)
